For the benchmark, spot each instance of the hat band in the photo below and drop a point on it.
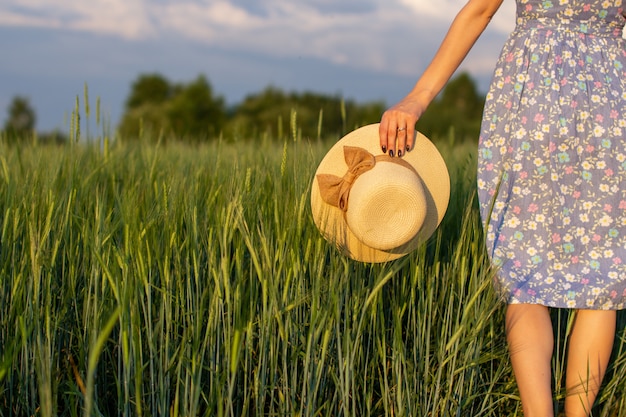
(335, 190)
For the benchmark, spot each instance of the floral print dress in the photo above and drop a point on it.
(552, 157)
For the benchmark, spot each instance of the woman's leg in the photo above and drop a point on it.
(531, 341)
(590, 346)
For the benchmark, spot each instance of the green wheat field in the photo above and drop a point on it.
(147, 279)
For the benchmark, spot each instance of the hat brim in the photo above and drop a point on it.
(427, 162)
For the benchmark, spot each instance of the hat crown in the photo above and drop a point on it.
(387, 206)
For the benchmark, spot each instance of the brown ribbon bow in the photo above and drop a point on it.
(336, 190)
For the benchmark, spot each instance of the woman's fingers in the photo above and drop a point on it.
(385, 132)
(410, 137)
(397, 126)
(401, 136)
(396, 134)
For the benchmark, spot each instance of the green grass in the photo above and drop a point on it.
(147, 280)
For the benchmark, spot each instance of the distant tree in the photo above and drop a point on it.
(55, 137)
(149, 89)
(261, 113)
(194, 113)
(146, 107)
(270, 111)
(461, 94)
(20, 124)
(148, 119)
(184, 111)
(457, 111)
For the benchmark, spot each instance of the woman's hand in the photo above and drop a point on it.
(397, 126)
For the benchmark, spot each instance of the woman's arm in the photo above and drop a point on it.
(468, 25)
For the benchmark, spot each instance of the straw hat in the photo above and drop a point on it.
(376, 208)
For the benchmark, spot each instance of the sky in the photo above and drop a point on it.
(362, 50)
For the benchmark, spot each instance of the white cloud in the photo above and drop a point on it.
(445, 10)
(382, 35)
(441, 9)
(10, 18)
(282, 29)
(129, 19)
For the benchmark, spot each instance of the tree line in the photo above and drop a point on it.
(160, 110)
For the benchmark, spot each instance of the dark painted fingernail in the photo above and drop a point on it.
(408, 148)
(391, 153)
(399, 152)
(384, 148)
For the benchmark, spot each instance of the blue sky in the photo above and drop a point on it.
(361, 49)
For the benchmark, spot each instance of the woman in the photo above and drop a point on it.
(551, 180)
